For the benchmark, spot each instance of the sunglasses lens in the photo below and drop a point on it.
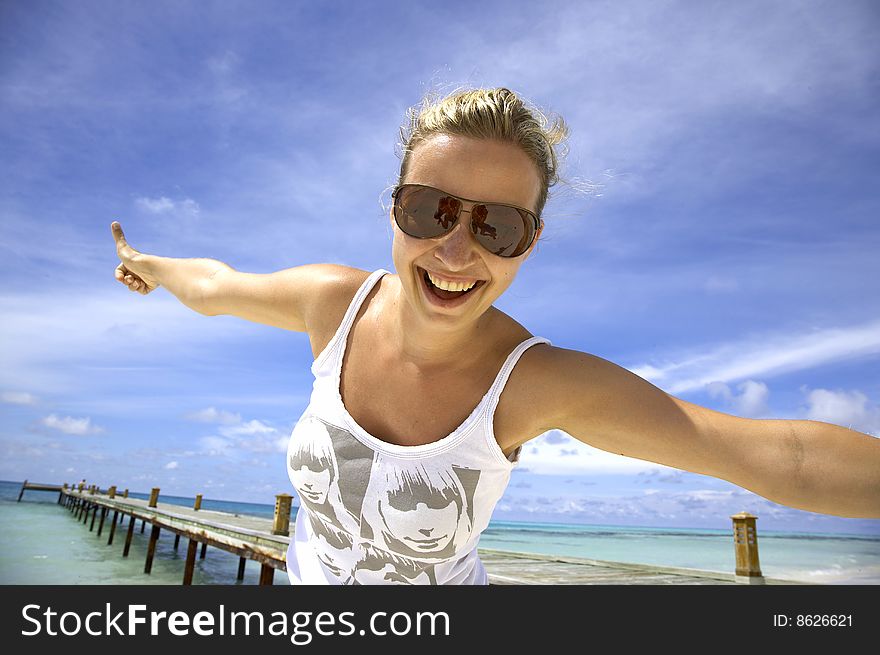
(503, 231)
(426, 213)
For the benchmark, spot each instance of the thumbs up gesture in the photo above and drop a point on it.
(132, 271)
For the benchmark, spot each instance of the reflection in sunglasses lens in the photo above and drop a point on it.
(427, 213)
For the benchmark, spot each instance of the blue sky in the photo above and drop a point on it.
(718, 234)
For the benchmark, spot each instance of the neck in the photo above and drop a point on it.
(428, 344)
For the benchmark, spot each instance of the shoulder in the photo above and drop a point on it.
(543, 384)
(335, 287)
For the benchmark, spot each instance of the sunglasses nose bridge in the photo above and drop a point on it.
(458, 247)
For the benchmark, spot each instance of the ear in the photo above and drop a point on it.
(537, 238)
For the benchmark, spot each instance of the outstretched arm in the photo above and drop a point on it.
(808, 465)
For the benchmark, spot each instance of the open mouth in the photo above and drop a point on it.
(452, 291)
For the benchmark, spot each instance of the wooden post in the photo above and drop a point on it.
(92, 489)
(267, 573)
(281, 525)
(154, 497)
(128, 536)
(745, 543)
(94, 516)
(112, 491)
(198, 504)
(176, 540)
(241, 562)
(151, 549)
(125, 494)
(190, 562)
(113, 528)
(101, 524)
(21, 493)
(143, 525)
(86, 513)
(204, 549)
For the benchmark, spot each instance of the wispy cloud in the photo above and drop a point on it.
(18, 398)
(70, 425)
(164, 205)
(761, 356)
(213, 415)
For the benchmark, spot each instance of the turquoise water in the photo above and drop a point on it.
(41, 543)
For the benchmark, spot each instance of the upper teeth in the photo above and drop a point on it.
(450, 286)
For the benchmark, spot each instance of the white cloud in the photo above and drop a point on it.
(171, 465)
(251, 427)
(18, 398)
(70, 425)
(751, 401)
(213, 415)
(251, 436)
(764, 355)
(851, 409)
(545, 455)
(215, 445)
(165, 205)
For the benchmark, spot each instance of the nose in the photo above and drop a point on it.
(458, 250)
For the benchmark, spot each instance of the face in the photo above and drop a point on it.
(312, 485)
(423, 529)
(487, 171)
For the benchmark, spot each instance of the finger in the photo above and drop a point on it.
(122, 247)
(116, 230)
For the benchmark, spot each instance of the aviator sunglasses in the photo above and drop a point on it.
(424, 212)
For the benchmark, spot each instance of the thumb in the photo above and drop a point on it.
(122, 246)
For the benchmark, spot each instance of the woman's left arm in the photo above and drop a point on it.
(808, 465)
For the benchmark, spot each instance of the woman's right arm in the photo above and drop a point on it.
(290, 299)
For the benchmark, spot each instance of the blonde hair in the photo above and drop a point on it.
(498, 114)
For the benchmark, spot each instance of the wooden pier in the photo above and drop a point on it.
(265, 541)
(248, 537)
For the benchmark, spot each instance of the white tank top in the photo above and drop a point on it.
(372, 512)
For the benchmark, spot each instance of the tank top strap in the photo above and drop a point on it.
(337, 343)
(501, 379)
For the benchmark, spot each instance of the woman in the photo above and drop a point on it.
(403, 360)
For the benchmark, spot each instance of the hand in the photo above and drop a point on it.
(131, 272)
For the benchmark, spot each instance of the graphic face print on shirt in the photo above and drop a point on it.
(420, 511)
(376, 517)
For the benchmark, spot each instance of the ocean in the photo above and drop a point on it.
(41, 543)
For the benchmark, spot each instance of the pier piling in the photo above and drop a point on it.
(151, 549)
(190, 562)
(745, 544)
(112, 528)
(128, 536)
(101, 524)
